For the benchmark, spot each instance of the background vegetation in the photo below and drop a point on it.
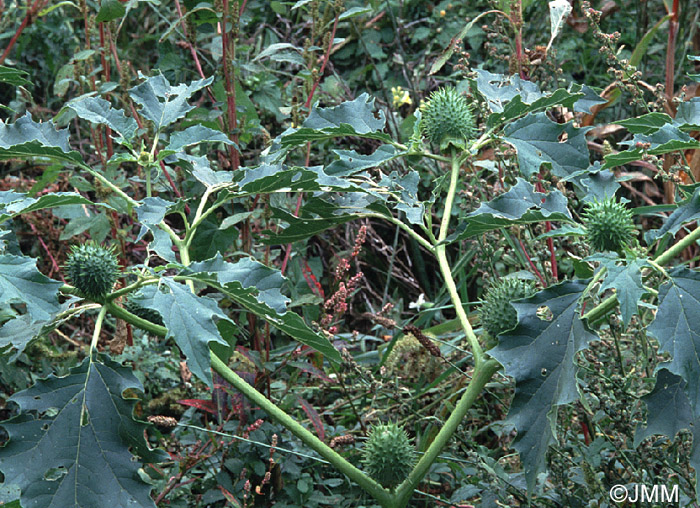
(270, 63)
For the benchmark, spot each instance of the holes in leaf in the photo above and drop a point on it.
(55, 473)
(563, 137)
(544, 313)
(544, 372)
(45, 427)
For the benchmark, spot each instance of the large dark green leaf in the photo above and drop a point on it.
(517, 108)
(21, 282)
(669, 138)
(193, 135)
(162, 103)
(675, 327)
(99, 111)
(538, 141)
(520, 205)
(645, 124)
(688, 114)
(69, 446)
(686, 212)
(190, 320)
(13, 203)
(539, 354)
(498, 89)
(351, 118)
(626, 279)
(669, 411)
(266, 178)
(668, 408)
(257, 288)
(28, 139)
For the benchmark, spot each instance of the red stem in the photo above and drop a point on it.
(550, 242)
(25, 22)
(532, 265)
(671, 50)
(105, 69)
(230, 90)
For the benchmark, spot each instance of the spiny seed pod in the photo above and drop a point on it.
(446, 119)
(388, 455)
(609, 225)
(409, 360)
(144, 313)
(92, 269)
(496, 313)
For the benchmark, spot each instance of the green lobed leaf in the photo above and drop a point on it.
(519, 205)
(267, 178)
(675, 328)
(498, 89)
(14, 77)
(189, 319)
(516, 107)
(351, 118)
(668, 408)
(22, 282)
(536, 139)
(590, 98)
(686, 212)
(645, 124)
(626, 280)
(100, 111)
(539, 354)
(110, 10)
(669, 411)
(24, 204)
(193, 135)
(69, 446)
(669, 138)
(257, 288)
(688, 114)
(162, 103)
(26, 139)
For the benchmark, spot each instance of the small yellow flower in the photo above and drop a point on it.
(400, 96)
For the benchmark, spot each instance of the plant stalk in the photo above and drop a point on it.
(383, 496)
(482, 375)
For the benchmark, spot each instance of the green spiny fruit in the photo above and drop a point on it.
(143, 312)
(496, 313)
(409, 360)
(609, 225)
(93, 270)
(446, 119)
(388, 455)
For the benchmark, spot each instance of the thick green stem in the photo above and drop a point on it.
(383, 496)
(98, 327)
(441, 254)
(482, 375)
